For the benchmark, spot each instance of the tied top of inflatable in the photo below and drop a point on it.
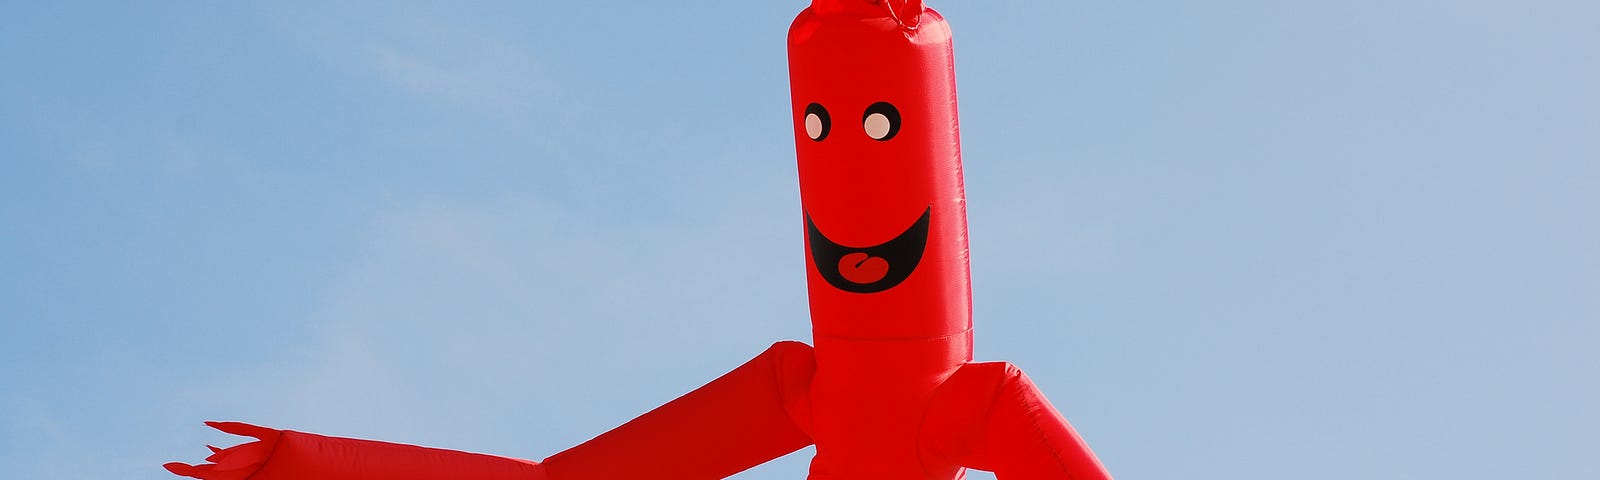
(873, 87)
(907, 13)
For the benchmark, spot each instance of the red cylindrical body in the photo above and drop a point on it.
(874, 104)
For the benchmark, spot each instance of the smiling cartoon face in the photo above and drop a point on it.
(880, 171)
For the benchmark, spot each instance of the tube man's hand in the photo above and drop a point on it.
(233, 463)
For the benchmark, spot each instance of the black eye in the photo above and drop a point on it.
(881, 121)
(817, 122)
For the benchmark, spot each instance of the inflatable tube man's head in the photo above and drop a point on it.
(874, 99)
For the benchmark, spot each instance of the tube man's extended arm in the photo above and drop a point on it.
(290, 455)
(746, 417)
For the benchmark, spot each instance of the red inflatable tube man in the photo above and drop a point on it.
(890, 390)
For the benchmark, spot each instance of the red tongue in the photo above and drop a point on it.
(861, 268)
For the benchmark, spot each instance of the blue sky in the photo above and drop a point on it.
(1230, 239)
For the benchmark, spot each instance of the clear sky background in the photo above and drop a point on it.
(1234, 239)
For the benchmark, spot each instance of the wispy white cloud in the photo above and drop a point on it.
(462, 67)
(430, 58)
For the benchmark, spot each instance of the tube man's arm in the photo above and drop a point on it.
(989, 416)
(290, 455)
(755, 413)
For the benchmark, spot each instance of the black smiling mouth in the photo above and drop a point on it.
(865, 271)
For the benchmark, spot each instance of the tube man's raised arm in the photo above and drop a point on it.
(989, 416)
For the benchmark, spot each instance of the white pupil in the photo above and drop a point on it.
(877, 126)
(813, 126)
